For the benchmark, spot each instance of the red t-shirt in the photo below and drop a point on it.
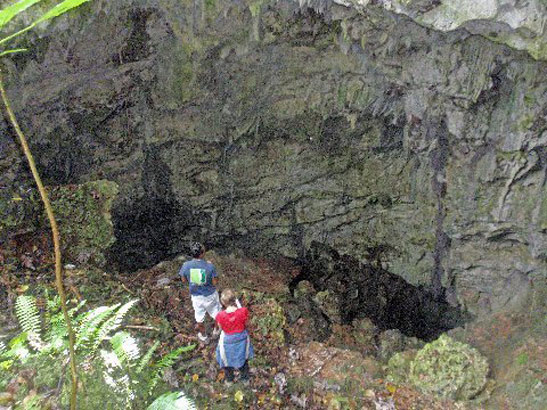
(233, 322)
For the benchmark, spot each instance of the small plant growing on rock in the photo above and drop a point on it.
(445, 367)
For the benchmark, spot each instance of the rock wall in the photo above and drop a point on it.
(266, 125)
(519, 24)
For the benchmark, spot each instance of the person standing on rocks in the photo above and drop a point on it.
(201, 277)
(234, 347)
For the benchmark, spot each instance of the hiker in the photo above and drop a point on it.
(201, 277)
(234, 347)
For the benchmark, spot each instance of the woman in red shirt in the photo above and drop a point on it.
(234, 347)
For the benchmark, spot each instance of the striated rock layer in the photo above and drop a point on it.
(266, 125)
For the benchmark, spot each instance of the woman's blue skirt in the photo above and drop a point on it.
(237, 349)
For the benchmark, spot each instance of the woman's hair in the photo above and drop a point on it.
(228, 298)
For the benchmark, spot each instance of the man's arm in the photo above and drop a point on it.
(214, 275)
(182, 274)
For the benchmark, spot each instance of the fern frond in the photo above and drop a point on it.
(173, 401)
(112, 323)
(27, 314)
(170, 358)
(89, 322)
(116, 376)
(167, 361)
(125, 347)
(57, 333)
(147, 357)
(29, 320)
(71, 312)
(53, 305)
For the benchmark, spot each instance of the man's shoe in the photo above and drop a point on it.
(202, 338)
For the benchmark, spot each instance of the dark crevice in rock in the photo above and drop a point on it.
(439, 158)
(362, 290)
(136, 47)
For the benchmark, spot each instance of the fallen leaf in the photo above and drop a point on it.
(238, 396)
(22, 289)
(28, 262)
(195, 377)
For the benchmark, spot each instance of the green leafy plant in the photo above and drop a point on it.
(172, 401)
(111, 357)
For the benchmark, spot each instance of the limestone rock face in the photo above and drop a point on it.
(519, 24)
(268, 125)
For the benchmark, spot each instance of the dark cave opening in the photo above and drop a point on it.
(144, 233)
(366, 291)
(149, 226)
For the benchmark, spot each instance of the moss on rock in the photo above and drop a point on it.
(448, 369)
(83, 214)
(329, 304)
(398, 367)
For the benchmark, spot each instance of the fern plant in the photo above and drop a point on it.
(29, 320)
(105, 352)
(173, 401)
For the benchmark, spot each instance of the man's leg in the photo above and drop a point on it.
(200, 328)
(199, 314)
(213, 307)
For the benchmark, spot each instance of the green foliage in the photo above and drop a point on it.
(125, 347)
(59, 9)
(111, 323)
(522, 359)
(172, 401)
(29, 319)
(112, 358)
(27, 314)
(166, 362)
(398, 366)
(269, 317)
(11, 11)
(147, 357)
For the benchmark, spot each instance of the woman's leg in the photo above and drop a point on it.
(229, 374)
(244, 371)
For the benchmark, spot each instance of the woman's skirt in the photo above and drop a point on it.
(234, 350)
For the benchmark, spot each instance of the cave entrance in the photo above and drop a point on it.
(365, 291)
